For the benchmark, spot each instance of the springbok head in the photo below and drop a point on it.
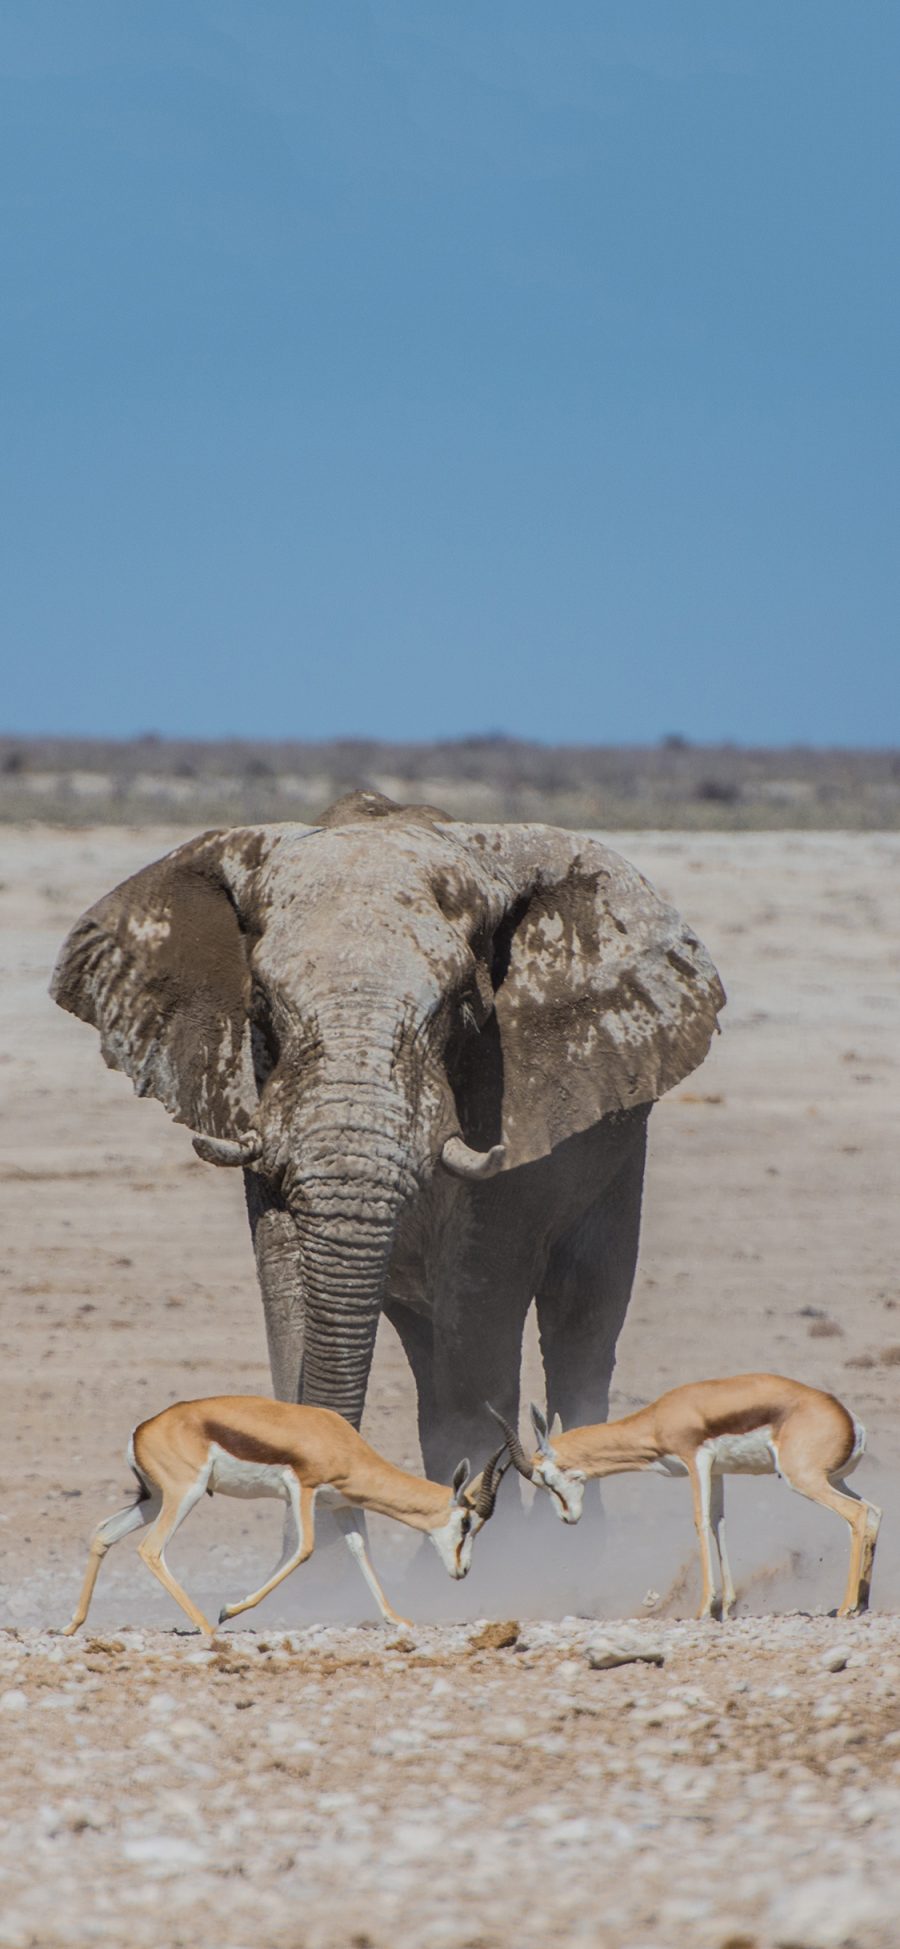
(471, 1506)
(565, 1485)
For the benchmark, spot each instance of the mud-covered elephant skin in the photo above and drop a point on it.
(433, 1046)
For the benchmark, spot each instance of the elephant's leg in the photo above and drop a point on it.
(416, 1334)
(584, 1293)
(277, 1253)
(478, 1330)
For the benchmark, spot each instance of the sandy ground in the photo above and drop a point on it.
(483, 1798)
(320, 1790)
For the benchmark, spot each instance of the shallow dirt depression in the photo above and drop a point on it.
(308, 1786)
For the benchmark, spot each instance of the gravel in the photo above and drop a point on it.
(335, 1789)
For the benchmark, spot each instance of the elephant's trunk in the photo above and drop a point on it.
(349, 1177)
(365, 1131)
(343, 1284)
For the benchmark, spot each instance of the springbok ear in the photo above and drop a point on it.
(161, 968)
(556, 1427)
(539, 1424)
(460, 1478)
(603, 997)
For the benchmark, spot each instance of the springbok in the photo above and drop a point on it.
(246, 1445)
(753, 1424)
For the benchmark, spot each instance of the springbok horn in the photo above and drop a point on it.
(229, 1150)
(464, 1162)
(517, 1453)
(485, 1495)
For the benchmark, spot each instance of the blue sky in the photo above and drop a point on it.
(385, 368)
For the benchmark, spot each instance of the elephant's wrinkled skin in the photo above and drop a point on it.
(362, 1010)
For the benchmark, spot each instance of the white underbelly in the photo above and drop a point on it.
(749, 1454)
(228, 1476)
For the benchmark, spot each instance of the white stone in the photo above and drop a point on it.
(508, 1732)
(604, 1652)
(828, 1710)
(832, 1912)
(661, 1714)
(699, 1701)
(163, 1850)
(418, 1837)
(572, 1829)
(162, 1702)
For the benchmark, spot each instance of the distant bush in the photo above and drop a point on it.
(717, 791)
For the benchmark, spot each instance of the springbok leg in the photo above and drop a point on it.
(136, 1516)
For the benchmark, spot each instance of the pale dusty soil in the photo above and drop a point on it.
(369, 1796)
(322, 1791)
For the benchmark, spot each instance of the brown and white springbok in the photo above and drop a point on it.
(246, 1445)
(752, 1424)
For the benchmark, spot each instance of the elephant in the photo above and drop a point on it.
(432, 1046)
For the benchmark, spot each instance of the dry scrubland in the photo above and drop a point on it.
(674, 784)
(311, 1787)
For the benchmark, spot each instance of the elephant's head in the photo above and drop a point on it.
(353, 1007)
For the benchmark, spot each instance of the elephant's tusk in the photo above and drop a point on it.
(229, 1150)
(464, 1162)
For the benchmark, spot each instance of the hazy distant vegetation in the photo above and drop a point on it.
(83, 781)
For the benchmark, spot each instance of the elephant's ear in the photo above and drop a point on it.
(161, 968)
(604, 997)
